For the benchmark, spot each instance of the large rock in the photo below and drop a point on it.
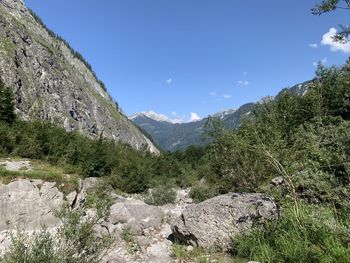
(212, 224)
(136, 214)
(29, 204)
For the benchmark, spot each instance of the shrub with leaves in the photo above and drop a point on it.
(161, 196)
(74, 242)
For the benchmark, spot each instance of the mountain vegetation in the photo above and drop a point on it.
(295, 148)
(302, 139)
(51, 81)
(178, 136)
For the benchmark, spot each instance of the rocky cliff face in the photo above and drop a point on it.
(51, 83)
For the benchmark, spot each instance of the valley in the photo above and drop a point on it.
(80, 182)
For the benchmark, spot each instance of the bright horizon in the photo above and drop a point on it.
(188, 59)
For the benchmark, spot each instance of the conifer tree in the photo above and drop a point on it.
(7, 106)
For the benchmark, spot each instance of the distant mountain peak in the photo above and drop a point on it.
(223, 113)
(155, 116)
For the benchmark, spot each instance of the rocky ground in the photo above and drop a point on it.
(141, 232)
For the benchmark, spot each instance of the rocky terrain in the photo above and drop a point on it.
(140, 232)
(51, 82)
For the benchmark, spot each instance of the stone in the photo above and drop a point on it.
(85, 186)
(278, 181)
(213, 223)
(29, 204)
(189, 249)
(136, 214)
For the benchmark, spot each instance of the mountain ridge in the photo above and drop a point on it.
(52, 83)
(178, 136)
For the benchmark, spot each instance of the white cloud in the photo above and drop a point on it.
(313, 45)
(327, 40)
(213, 94)
(227, 96)
(173, 113)
(168, 81)
(243, 82)
(194, 117)
(322, 61)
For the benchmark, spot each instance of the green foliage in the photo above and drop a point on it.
(127, 236)
(74, 242)
(314, 234)
(7, 106)
(330, 5)
(99, 198)
(161, 195)
(201, 193)
(303, 134)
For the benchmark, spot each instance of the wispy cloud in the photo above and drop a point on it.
(213, 93)
(327, 40)
(169, 81)
(173, 113)
(194, 117)
(313, 45)
(245, 73)
(227, 96)
(243, 83)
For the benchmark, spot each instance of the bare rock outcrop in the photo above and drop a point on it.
(213, 223)
(27, 205)
(50, 82)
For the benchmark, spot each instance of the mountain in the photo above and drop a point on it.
(155, 116)
(172, 136)
(168, 135)
(53, 82)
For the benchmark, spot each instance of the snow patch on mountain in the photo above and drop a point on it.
(223, 113)
(156, 116)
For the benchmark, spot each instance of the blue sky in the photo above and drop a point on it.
(199, 56)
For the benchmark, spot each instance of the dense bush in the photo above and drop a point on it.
(161, 195)
(315, 234)
(75, 241)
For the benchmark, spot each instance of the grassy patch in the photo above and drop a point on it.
(161, 196)
(309, 234)
(43, 171)
(199, 255)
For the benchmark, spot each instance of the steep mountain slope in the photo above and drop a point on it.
(52, 82)
(171, 136)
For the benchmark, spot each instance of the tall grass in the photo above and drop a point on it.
(317, 235)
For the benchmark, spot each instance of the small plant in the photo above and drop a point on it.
(161, 196)
(201, 193)
(74, 242)
(100, 199)
(127, 235)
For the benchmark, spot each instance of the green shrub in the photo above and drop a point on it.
(100, 199)
(74, 242)
(201, 193)
(161, 196)
(310, 234)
